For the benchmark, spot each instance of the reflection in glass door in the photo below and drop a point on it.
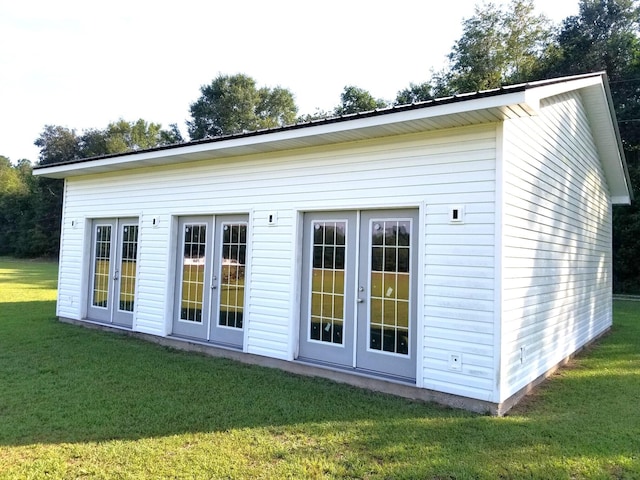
(358, 291)
(327, 325)
(114, 250)
(210, 279)
(386, 327)
(125, 274)
(227, 306)
(192, 276)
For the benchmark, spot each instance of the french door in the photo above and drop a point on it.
(114, 258)
(210, 279)
(359, 290)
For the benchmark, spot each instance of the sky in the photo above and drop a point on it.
(83, 64)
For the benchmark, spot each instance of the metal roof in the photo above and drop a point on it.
(489, 106)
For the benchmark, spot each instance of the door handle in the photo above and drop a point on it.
(116, 275)
(214, 285)
(360, 300)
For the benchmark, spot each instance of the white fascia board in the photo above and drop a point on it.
(604, 128)
(282, 139)
(621, 200)
(535, 94)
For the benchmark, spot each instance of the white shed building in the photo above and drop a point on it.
(455, 250)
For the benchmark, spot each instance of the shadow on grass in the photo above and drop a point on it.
(63, 383)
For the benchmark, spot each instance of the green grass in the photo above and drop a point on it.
(79, 403)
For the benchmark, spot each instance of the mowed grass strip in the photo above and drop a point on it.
(79, 403)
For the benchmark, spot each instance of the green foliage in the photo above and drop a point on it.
(31, 207)
(500, 47)
(496, 47)
(123, 136)
(29, 212)
(354, 99)
(414, 93)
(11, 181)
(232, 104)
(57, 144)
(603, 36)
(80, 403)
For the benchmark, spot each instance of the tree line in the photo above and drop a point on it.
(498, 46)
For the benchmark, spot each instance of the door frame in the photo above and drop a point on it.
(417, 210)
(111, 314)
(312, 348)
(367, 356)
(186, 328)
(212, 278)
(231, 336)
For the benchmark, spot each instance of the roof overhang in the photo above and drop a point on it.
(462, 110)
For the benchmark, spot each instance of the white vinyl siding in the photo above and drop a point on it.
(556, 241)
(438, 169)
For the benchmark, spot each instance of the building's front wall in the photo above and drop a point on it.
(431, 173)
(556, 241)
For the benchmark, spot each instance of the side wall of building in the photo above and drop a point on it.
(556, 236)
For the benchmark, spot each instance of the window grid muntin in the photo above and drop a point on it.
(101, 266)
(232, 278)
(129, 256)
(194, 261)
(327, 302)
(389, 307)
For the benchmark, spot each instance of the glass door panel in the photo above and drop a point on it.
(228, 285)
(327, 322)
(125, 275)
(327, 285)
(102, 266)
(210, 279)
(389, 278)
(192, 274)
(114, 247)
(102, 271)
(386, 316)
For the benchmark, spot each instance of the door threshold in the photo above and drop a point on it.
(356, 371)
(107, 324)
(204, 343)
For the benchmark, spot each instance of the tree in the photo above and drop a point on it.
(233, 104)
(496, 47)
(123, 136)
(57, 144)
(30, 218)
(603, 36)
(354, 99)
(17, 206)
(414, 93)
(276, 107)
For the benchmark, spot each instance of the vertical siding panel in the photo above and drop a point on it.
(557, 241)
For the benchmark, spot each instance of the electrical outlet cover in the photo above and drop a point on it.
(455, 362)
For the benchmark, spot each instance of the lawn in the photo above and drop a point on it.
(80, 403)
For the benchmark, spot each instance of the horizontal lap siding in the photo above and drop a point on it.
(556, 242)
(459, 290)
(437, 170)
(70, 295)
